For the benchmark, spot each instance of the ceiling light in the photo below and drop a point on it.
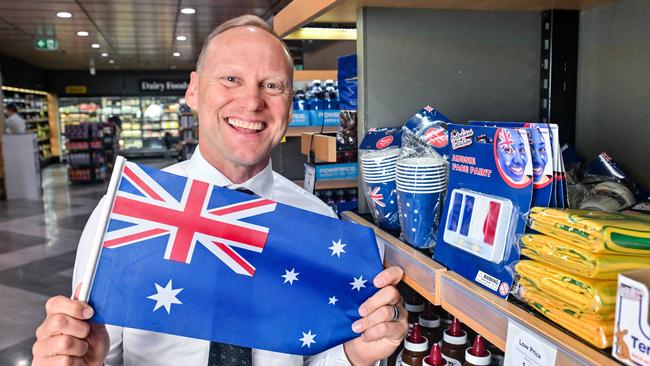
(181, 38)
(177, 54)
(95, 45)
(64, 14)
(111, 61)
(104, 54)
(188, 10)
(83, 34)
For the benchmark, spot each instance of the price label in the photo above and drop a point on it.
(310, 178)
(524, 348)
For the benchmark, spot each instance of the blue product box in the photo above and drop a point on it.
(299, 118)
(337, 171)
(331, 117)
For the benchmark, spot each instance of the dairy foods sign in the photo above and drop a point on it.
(163, 86)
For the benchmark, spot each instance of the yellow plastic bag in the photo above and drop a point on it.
(595, 231)
(583, 294)
(578, 261)
(594, 329)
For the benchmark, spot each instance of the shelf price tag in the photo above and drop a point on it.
(310, 178)
(524, 348)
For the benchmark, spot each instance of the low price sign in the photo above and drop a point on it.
(46, 44)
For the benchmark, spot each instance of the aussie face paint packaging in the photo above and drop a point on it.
(543, 159)
(378, 154)
(488, 199)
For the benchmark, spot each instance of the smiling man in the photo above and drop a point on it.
(242, 90)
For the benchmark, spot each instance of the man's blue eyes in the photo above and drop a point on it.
(270, 86)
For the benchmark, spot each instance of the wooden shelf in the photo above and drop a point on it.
(482, 311)
(302, 12)
(331, 184)
(297, 131)
(308, 75)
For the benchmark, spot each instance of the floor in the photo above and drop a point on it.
(38, 240)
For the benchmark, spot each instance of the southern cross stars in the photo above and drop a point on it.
(337, 248)
(358, 283)
(333, 300)
(165, 296)
(307, 339)
(290, 276)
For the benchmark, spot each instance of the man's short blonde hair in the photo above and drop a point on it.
(240, 21)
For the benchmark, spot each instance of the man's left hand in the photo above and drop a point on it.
(380, 333)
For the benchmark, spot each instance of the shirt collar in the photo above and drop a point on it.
(261, 184)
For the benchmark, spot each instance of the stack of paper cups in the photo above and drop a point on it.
(378, 172)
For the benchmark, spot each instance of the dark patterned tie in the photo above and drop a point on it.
(224, 354)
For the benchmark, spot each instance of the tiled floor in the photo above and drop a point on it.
(38, 241)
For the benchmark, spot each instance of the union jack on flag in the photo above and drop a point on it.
(377, 197)
(184, 257)
(186, 220)
(505, 142)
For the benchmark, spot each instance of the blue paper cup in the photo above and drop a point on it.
(383, 204)
(416, 216)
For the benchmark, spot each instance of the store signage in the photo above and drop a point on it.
(525, 348)
(46, 44)
(76, 89)
(162, 86)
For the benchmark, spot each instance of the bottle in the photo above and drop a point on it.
(415, 348)
(414, 304)
(477, 355)
(454, 342)
(435, 357)
(430, 323)
(315, 104)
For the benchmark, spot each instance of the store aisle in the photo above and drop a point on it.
(38, 240)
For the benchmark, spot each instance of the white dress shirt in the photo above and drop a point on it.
(14, 124)
(139, 347)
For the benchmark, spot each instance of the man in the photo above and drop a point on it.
(14, 123)
(242, 90)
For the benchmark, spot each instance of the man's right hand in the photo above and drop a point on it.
(66, 337)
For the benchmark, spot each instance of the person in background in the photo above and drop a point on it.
(14, 123)
(242, 90)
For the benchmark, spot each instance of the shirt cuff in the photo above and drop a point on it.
(334, 356)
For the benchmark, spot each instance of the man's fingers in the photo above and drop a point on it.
(61, 345)
(382, 314)
(390, 276)
(386, 296)
(394, 331)
(57, 324)
(73, 308)
(59, 361)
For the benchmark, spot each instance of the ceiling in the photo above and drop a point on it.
(137, 35)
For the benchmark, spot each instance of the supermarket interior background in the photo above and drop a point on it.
(93, 79)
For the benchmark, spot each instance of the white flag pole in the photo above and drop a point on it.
(98, 239)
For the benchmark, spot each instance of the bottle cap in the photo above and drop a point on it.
(415, 342)
(454, 328)
(429, 318)
(454, 334)
(413, 304)
(435, 357)
(477, 354)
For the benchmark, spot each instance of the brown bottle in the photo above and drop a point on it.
(430, 323)
(415, 348)
(454, 342)
(415, 306)
(477, 355)
(435, 357)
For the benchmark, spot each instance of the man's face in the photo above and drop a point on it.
(243, 97)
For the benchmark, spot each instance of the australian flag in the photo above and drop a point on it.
(184, 257)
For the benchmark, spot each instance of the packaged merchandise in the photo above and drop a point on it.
(583, 294)
(595, 231)
(632, 330)
(604, 168)
(427, 129)
(454, 344)
(435, 357)
(416, 347)
(579, 261)
(378, 154)
(347, 82)
(490, 189)
(477, 355)
(300, 115)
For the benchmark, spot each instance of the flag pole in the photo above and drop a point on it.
(98, 239)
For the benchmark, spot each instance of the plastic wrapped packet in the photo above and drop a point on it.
(582, 294)
(576, 260)
(595, 231)
(597, 329)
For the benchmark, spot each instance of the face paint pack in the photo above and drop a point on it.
(378, 153)
(489, 194)
(549, 178)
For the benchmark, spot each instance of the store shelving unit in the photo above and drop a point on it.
(74, 111)
(482, 311)
(159, 118)
(189, 132)
(34, 107)
(90, 151)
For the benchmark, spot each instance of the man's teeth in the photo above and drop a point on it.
(245, 124)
